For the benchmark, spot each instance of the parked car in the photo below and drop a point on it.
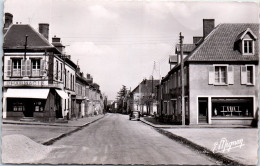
(134, 115)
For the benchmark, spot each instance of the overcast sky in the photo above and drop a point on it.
(118, 42)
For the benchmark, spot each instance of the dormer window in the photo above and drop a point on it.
(248, 47)
(246, 43)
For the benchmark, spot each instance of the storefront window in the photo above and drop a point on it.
(232, 107)
(38, 106)
(18, 107)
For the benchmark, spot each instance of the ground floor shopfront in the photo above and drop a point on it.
(43, 104)
(224, 110)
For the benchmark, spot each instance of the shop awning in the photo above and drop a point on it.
(27, 93)
(62, 94)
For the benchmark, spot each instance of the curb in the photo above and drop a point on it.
(194, 126)
(201, 149)
(51, 141)
(41, 124)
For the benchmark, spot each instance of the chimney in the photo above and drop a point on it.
(88, 76)
(56, 39)
(44, 30)
(196, 39)
(208, 26)
(78, 70)
(57, 43)
(8, 21)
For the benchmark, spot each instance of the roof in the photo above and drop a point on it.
(146, 86)
(220, 44)
(173, 59)
(185, 47)
(57, 44)
(15, 37)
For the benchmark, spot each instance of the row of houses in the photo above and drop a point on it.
(40, 81)
(220, 77)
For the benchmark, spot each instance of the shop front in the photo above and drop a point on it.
(40, 104)
(232, 110)
(23, 102)
(226, 110)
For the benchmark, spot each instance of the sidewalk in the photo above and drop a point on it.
(205, 137)
(152, 122)
(46, 133)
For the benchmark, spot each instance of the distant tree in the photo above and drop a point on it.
(120, 97)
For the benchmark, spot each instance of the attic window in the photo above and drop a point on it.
(248, 48)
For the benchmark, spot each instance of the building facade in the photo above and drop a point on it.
(31, 86)
(144, 97)
(220, 77)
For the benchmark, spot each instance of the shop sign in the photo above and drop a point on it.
(25, 83)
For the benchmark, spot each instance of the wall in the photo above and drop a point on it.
(199, 87)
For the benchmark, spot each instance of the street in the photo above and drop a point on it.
(117, 140)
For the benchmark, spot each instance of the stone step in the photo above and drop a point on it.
(27, 119)
(61, 120)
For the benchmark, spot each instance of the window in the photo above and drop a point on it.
(57, 70)
(232, 107)
(36, 67)
(65, 77)
(247, 46)
(18, 106)
(16, 67)
(248, 75)
(38, 106)
(61, 71)
(220, 74)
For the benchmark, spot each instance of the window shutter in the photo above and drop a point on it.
(42, 67)
(254, 75)
(9, 66)
(243, 75)
(211, 75)
(23, 67)
(230, 75)
(28, 67)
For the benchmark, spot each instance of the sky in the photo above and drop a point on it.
(123, 42)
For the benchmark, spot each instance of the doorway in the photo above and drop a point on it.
(203, 110)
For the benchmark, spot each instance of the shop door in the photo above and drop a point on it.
(203, 110)
(29, 108)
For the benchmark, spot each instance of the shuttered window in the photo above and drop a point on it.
(36, 67)
(248, 75)
(16, 69)
(221, 75)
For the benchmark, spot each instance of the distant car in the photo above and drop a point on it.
(134, 115)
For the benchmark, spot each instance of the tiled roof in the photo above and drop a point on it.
(185, 47)
(57, 44)
(146, 86)
(220, 44)
(15, 37)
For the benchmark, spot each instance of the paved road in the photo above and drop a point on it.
(116, 140)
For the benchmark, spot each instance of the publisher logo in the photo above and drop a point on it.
(224, 146)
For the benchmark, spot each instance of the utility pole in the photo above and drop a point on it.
(182, 81)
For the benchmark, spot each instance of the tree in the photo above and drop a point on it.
(120, 97)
